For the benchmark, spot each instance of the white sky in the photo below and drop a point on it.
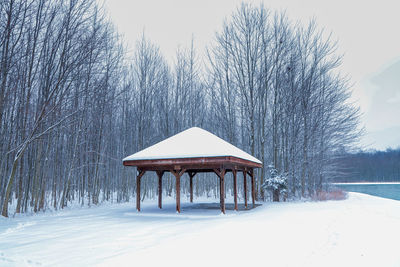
(368, 34)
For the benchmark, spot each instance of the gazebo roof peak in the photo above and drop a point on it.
(191, 143)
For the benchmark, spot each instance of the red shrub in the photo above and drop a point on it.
(330, 195)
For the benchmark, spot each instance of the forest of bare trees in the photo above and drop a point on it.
(73, 103)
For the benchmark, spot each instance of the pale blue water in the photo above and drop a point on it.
(391, 191)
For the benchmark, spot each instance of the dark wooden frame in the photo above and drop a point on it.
(219, 165)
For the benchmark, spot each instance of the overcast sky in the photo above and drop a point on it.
(368, 33)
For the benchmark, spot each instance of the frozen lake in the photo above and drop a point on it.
(386, 190)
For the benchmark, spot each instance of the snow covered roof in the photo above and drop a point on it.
(191, 143)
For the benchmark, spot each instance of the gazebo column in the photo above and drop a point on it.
(223, 191)
(253, 191)
(138, 178)
(160, 174)
(221, 175)
(220, 189)
(178, 174)
(234, 172)
(191, 175)
(245, 187)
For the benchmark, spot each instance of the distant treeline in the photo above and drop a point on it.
(372, 166)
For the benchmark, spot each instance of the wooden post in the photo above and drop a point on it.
(160, 174)
(191, 175)
(191, 189)
(234, 172)
(220, 190)
(178, 175)
(178, 194)
(223, 191)
(221, 175)
(138, 178)
(245, 188)
(253, 191)
(138, 193)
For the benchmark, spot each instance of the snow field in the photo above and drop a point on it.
(360, 231)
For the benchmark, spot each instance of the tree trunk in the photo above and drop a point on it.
(275, 195)
(4, 211)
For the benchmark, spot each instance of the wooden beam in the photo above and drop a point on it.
(253, 191)
(195, 168)
(234, 172)
(201, 162)
(160, 174)
(191, 175)
(182, 172)
(217, 172)
(178, 174)
(245, 188)
(138, 178)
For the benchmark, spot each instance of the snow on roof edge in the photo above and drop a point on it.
(188, 157)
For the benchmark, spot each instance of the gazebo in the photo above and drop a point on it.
(194, 151)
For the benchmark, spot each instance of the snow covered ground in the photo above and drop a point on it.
(360, 231)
